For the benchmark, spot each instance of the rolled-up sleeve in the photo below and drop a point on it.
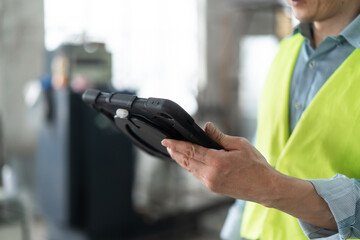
(343, 197)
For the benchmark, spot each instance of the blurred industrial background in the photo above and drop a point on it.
(65, 171)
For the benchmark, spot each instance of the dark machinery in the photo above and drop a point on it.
(85, 166)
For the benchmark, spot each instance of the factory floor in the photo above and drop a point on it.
(208, 227)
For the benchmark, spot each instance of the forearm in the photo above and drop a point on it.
(299, 198)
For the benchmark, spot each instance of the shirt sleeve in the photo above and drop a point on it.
(232, 225)
(343, 197)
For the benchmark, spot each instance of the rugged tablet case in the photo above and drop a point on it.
(147, 121)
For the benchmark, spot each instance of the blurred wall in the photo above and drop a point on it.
(21, 59)
(223, 26)
(219, 32)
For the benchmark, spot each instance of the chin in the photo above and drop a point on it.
(304, 18)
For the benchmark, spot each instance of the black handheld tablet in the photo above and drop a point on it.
(147, 121)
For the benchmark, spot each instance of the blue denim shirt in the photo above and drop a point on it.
(313, 68)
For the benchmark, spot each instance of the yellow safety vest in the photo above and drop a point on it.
(325, 141)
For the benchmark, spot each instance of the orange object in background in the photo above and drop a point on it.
(60, 71)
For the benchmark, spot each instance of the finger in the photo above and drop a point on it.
(214, 133)
(190, 150)
(180, 158)
(226, 141)
(197, 168)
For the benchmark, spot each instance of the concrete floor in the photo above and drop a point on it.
(208, 228)
(14, 231)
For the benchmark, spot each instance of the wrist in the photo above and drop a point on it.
(299, 198)
(277, 190)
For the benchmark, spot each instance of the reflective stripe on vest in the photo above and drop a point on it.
(325, 141)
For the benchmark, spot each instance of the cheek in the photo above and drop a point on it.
(328, 9)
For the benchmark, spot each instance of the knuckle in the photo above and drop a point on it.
(185, 160)
(190, 152)
(243, 140)
(193, 151)
(220, 136)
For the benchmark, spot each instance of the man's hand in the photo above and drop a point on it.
(240, 171)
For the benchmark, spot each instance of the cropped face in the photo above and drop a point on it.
(317, 10)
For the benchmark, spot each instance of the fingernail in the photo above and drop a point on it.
(169, 150)
(164, 143)
(210, 127)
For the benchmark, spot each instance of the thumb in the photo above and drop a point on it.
(214, 133)
(226, 141)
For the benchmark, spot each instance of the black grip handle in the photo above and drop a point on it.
(90, 96)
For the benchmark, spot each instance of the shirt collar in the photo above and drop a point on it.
(305, 29)
(351, 33)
